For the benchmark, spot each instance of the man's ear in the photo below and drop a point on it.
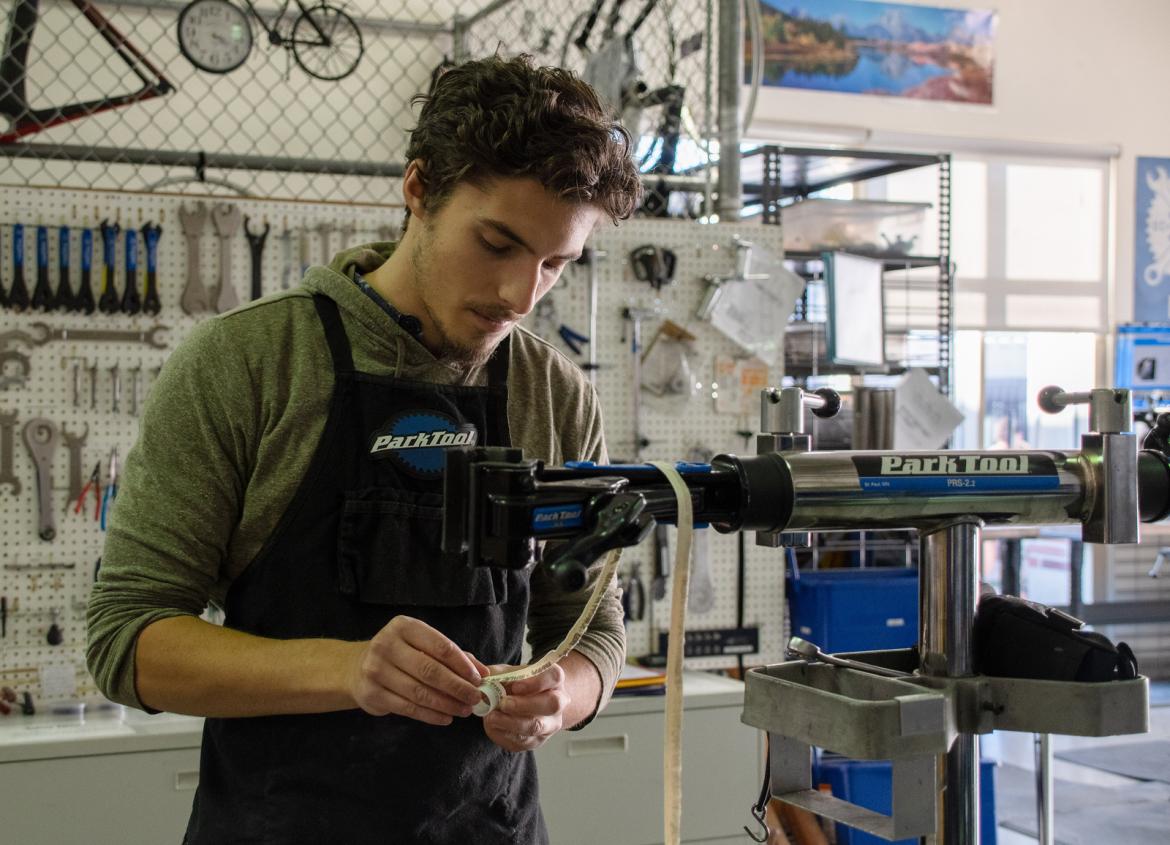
(413, 189)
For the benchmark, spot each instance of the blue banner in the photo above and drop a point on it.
(1151, 251)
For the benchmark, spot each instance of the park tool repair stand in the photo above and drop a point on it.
(497, 505)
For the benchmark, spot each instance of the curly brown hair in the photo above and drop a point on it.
(506, 117)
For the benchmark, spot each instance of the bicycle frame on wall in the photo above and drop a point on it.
(14, 105)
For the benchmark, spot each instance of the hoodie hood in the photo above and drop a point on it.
(379, 337)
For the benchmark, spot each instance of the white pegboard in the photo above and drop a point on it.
(676, 426)
(33, 595)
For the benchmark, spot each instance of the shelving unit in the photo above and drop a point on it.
(776, 176)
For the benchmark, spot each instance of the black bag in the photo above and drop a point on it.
(1015, 638)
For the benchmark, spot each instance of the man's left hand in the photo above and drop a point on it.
(531, 711)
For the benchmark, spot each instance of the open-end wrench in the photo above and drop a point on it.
(7, 428)
(226, 220)
(64, 295)
(196, 298)
(43, 293)
(18, 293)
(799, 649)
(116, 385)
(131, 302)
(93, 371)
(323, 230)
(41, 438)
(147, 336)
(256, 247)
(288, 271)
(150, 236)
(74, 443)
(84, 301)
(108, 302)
(135, 380)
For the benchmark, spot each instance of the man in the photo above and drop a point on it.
(287, 470)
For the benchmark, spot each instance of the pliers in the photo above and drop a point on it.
(111, 492)
(94, 482)
(572, 339)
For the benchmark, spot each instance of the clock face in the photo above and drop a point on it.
(214, 35)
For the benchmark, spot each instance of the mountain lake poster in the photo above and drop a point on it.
(884, 49)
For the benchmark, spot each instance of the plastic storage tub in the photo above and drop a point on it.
(855, 609)
(869, 784)
(867, 226)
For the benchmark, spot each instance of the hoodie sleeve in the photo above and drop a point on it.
(553, 611)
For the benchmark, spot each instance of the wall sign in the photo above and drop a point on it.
(1151, 249)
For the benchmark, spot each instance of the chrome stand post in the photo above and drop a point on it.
(948, 592)
(1045, 801)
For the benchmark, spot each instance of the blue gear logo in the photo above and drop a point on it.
(417, 440)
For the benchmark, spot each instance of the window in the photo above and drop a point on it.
(1029, 239)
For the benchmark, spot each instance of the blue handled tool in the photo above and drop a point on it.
(42, 293)
(111, 491)
(150, 238)
(131, 304)
(65, 299)
(18, 295)
(84, 300)
(108, 302)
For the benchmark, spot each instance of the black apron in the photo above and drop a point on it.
(358, 545)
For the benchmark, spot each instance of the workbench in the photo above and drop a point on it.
(130, 780)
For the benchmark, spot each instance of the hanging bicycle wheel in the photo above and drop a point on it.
(326, 42)
(626, 51)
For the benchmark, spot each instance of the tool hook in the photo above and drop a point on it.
(758, 813)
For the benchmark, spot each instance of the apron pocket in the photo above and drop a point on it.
(389, 553)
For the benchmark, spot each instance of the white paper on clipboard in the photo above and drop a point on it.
(754, 312)
(923, 417)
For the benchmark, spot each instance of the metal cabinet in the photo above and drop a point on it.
(107, 799)
(604, 783)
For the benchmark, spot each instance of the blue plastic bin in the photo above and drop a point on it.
(855, 609)
(869, 783)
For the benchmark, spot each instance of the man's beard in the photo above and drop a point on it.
(449, 351)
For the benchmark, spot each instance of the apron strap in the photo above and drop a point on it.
(334, 333)
(497, 365)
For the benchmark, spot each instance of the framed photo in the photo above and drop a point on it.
(857, 314)
(883, 49)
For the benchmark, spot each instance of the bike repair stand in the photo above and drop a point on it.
(928, 720)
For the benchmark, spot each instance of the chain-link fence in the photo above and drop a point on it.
(313, 101)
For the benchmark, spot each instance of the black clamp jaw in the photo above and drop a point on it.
(497, 506)
(1154, 471)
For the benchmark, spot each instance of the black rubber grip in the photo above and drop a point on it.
(1153, 486)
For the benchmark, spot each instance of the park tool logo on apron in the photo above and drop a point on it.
(416, 440)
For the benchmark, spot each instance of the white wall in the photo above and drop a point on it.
(1077, 72)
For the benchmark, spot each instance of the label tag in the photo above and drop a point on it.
(975, 474)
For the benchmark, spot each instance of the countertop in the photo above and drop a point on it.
(45, 737)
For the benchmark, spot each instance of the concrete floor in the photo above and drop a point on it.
(1017, 749)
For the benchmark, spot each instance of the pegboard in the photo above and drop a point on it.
(316, 232)
(674, 427)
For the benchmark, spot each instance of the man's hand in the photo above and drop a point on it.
(531, 712)
(412, 670)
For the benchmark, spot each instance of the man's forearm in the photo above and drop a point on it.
(186, 665)
(583, 683)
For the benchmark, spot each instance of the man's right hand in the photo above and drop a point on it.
(410, 669)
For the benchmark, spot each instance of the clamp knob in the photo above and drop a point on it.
(1110, 410)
